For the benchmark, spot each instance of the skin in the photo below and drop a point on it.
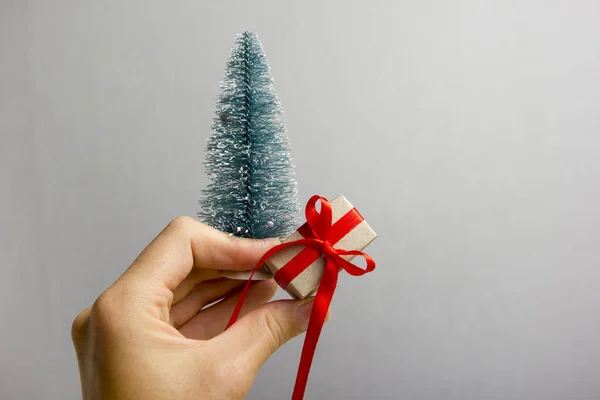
(151, 336)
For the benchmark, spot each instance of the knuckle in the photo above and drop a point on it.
(79, 325)
(104, 308)
(237, 252)
(234, 250)
(116, 308)
(181, 222)
(163, 298)
(103, 303)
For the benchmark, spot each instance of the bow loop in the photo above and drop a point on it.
(319, 222)
(352, 268)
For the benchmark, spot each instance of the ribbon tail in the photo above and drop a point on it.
(240, 303)
(315, 326)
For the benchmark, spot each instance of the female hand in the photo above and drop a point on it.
(150, 336)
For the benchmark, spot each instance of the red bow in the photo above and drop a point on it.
(321, 239)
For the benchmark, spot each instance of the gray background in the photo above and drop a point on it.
(467, 133)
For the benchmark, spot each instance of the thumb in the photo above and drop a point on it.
(257, 335)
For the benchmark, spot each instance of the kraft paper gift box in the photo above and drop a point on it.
(306, 283)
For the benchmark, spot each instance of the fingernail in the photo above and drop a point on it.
(303, 315)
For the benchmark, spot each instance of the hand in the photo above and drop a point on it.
(151, 336)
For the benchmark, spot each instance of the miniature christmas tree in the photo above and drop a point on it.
(251, 190)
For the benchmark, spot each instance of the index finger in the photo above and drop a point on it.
(186, 243)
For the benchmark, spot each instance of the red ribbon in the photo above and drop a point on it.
(320, 235)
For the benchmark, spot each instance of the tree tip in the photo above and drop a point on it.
(249, 34)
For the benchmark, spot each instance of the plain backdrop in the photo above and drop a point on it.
(466, 132)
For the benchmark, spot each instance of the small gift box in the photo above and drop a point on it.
(349, 231)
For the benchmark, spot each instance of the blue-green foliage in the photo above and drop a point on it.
(251, 190)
